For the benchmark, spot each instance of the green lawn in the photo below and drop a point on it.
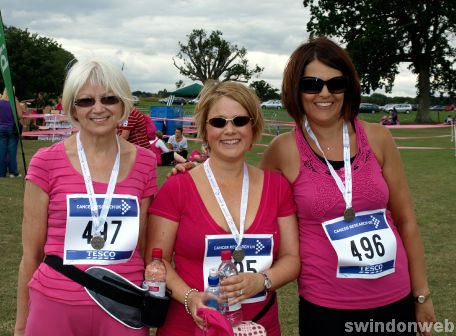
(431, 175)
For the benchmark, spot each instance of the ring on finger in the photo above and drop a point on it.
(241, 292)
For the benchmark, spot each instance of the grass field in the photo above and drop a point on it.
(432, 180)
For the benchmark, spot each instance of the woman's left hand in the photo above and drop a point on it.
(241, 286)
(425, 315)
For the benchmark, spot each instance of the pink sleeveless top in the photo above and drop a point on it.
(318, 199)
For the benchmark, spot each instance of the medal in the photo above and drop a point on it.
(349, 214)
(238, 254)
(97, 242)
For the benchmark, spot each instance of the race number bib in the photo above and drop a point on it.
(258, 255)
(365, 247)
(120, 231)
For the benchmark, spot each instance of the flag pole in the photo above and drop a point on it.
(6, 73)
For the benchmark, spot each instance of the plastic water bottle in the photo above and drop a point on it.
(227, 268)
(155, 274)
(213, 290)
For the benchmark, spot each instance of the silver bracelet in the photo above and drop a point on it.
(186, 299)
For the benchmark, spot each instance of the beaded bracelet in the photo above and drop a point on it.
(186, 299)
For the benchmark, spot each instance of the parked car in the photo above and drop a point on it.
(400, 108)
(449, 108)
(369, 108)
(276, 104)
(437, 108)
(387, 107)
(176, 101)
(194, 101)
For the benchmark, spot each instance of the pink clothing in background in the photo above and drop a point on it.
(51, 170)
(318, 199)
(179, 201)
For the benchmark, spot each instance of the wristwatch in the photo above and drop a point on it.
(267, 282)
(422, 298)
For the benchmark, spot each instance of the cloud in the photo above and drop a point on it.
(143, 35)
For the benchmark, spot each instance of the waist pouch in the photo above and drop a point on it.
(129, 304)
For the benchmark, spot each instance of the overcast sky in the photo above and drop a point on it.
(143, 35)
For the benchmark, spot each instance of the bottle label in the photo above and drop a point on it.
(235, 307)
(157, 289)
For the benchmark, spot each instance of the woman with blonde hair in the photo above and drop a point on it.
(226, 201)
(66, 185)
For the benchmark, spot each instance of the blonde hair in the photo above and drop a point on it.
(95, 71)
(214, 90)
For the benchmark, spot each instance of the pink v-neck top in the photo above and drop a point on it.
(318, 199)
(51, 170)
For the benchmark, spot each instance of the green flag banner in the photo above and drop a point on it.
(6, 72)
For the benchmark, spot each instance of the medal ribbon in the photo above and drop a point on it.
(238, 234)
(346, 189)
(98, 221)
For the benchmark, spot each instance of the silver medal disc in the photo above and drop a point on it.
(97, 242)
(349, 214)
(238, 255)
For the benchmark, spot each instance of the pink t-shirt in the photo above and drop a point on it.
(178, 200)
(51, 170)
(318, 199)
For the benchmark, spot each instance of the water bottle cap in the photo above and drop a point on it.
(226, 254)
(157, 253)
(213, 280)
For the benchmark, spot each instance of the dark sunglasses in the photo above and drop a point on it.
(314, 85)
(220, 122)
(87, 102)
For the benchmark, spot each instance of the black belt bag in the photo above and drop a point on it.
(129, 304)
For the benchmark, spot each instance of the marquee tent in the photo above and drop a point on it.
(188, 91)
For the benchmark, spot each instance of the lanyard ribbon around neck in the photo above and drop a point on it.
(98, 220)
(345, 189)
(238, 234)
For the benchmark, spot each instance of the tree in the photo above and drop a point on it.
(379, 35)
(264, 90)
(211, 57)
(37, 63)
(179, 84)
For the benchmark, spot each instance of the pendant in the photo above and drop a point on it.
(349, 214)
(238, 254)
(97, 242)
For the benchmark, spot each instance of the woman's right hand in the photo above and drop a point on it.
(196, 301)
(181, 168)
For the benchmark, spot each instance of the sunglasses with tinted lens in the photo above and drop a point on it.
(315, 85)
(220, 122)
(87, 102)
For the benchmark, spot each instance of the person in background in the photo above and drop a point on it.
(346, 172)
(59, 106)
(179, 142)
(134, 129)
(164, 155)
(62, 181)
(394, 120)
(9, 136)
(188, 223)
(199, 157)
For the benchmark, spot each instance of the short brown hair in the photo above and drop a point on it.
(214, 90)
(330, 54)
